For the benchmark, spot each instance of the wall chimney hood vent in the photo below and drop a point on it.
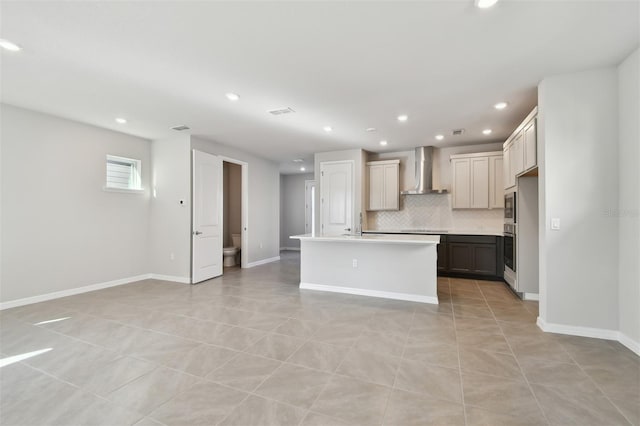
(424, 173)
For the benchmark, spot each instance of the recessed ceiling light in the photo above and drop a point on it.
(121, 120)
(370, 129)
(232, 97)
(403, 118)
(500, 105)
(383, 143)
(484, 4)
(7, 45)
(327, 129)
(298, 160)
(439, 137)
(302, 169)
(486, 131)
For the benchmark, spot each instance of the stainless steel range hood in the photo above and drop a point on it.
(424, 173)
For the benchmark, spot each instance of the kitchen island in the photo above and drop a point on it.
(402, 267)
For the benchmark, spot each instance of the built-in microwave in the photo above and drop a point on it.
(510, 207)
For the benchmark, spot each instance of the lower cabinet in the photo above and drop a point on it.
(470, 256)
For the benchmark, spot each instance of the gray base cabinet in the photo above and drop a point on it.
(478, 256)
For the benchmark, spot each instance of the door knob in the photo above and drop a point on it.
(197, 233)
(347, 229)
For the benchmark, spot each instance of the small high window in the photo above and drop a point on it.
(123, 173)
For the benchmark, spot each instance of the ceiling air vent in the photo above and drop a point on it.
(457, 132)
(180, 127)
(281, 111)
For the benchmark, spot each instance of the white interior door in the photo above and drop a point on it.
(309, 206)
(336, 197)
(206, 235)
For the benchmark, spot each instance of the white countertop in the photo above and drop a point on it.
(491, 232)
(372, 238)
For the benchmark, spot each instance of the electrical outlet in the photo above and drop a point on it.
(355, 263)
(555, 223)
(260, 245)
(172, 256)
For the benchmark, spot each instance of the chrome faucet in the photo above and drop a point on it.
(360, 228)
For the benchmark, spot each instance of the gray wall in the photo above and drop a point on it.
(578, 142)
(264, 199)
(292, 208)
(629, 203)
(60, 229)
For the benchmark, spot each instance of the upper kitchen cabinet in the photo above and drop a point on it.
(520, 151)
(384, 185)
(477, 180)
(530, 146)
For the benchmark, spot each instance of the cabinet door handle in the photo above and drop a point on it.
(197, 233)
(347, 229)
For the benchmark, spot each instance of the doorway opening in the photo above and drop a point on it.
(231, 215)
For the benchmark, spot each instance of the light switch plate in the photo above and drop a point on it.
(555, 223)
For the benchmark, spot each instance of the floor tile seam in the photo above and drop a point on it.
(395, 376)
(526, 379)
(245, 350)
(539, 405)
(150, 414)
(324, 415)
(190, 339)
(459, 402)
(28, 322)
(335, 373)
(462, 396)
(84, 390)
(68, 336)
(605, 394)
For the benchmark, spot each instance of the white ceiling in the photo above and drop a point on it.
(351, 65)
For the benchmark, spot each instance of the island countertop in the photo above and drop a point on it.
(488, 232)
(372, 238)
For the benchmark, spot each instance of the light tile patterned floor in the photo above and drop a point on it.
(252, 349)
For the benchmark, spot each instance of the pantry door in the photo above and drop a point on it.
(336, 197)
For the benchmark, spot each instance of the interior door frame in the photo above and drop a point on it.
(353, 190)
(244, 252)
(310, 208)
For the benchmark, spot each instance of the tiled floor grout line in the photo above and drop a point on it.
(455, 330)
(267, 308)
(82, 389)
(504, 336)
(395, 377)
(598, 387)
(334, 372)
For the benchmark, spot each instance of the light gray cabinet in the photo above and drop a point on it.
(530, 146)
(477, 180)
(384, 185)
(520, 150)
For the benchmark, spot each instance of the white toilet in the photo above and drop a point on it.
(229, 254)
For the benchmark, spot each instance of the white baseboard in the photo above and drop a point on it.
(629, 343)
(370, 293)
(598, 333)
(173, 278)
(71, 292)
(290, 248)
(263, 261)
(573, 330)
(531, 296)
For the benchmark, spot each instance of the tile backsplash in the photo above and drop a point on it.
(433, 211)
